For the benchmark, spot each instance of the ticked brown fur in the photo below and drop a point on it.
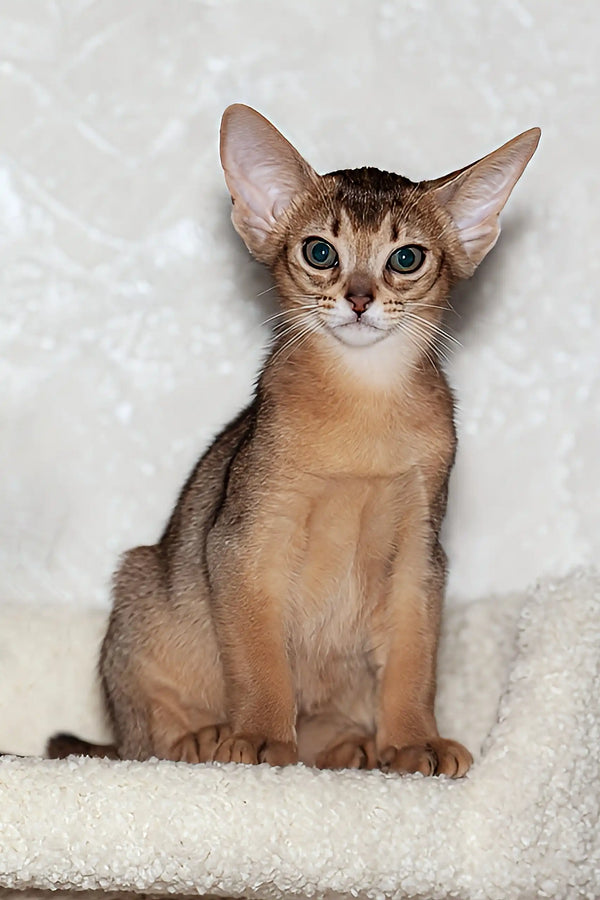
(291, 609)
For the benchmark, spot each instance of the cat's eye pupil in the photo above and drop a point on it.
(406, 259)
(319, 253)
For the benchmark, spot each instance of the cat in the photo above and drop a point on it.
(291, 609)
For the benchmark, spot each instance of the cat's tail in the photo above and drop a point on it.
(59, 746)
(62, 745)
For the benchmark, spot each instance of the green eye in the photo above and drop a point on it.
(406, 259)
(319, 253)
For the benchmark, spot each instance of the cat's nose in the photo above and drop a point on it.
(359, 302)
(359, 292)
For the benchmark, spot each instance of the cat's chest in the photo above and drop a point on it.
(341, 540)
(363, 437)
(335, 517)
(338, 555)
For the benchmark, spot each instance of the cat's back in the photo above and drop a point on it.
(205, 490)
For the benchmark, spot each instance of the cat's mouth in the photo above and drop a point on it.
(359, 333)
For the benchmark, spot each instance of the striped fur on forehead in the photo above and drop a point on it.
(367, 195)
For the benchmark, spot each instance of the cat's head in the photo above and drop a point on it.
(362, 254)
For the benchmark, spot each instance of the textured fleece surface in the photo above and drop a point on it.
(519, 680)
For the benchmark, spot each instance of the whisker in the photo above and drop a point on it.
(419, 341)
(266, 290)
(436, 328)
(447, 308)
(431, 341)
(427, 330)
(310, 327)
(429, 353)
(445, 341)
(435, 347)
(291, 330)
(289, 312)
(282, 329)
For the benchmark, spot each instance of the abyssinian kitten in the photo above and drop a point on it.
(291, 609)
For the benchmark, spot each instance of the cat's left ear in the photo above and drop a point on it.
(263, 173)
(475, 196)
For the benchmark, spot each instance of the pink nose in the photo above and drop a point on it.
(359, 302)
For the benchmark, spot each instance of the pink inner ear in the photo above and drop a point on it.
(483, 195)
(262, 169)
(265, 187)
(475, 196)
(247, 194)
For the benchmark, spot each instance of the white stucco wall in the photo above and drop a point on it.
(130, 313)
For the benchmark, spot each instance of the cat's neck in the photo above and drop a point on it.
(324, 364)
(342, 382)
(348, 413)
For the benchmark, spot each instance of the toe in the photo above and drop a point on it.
(238, 750)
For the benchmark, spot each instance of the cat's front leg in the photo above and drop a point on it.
(252, 749)
(408, 740)
(247, 614)
(258, 684)
(258, 681)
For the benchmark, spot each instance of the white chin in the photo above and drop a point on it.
(358, 334)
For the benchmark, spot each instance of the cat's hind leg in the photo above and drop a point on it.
(160, 666)
(331, 740)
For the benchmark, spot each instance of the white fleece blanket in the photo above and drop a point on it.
(518, 682)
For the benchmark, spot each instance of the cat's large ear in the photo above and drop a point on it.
(263, 173)
(474, 196)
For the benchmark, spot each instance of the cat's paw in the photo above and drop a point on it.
(199, 746)
(253, 749)
(435, 756)
(354, 752)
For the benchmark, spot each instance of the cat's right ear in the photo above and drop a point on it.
(475, 196)
(263, 173)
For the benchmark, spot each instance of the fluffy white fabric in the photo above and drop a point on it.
(519, 675)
